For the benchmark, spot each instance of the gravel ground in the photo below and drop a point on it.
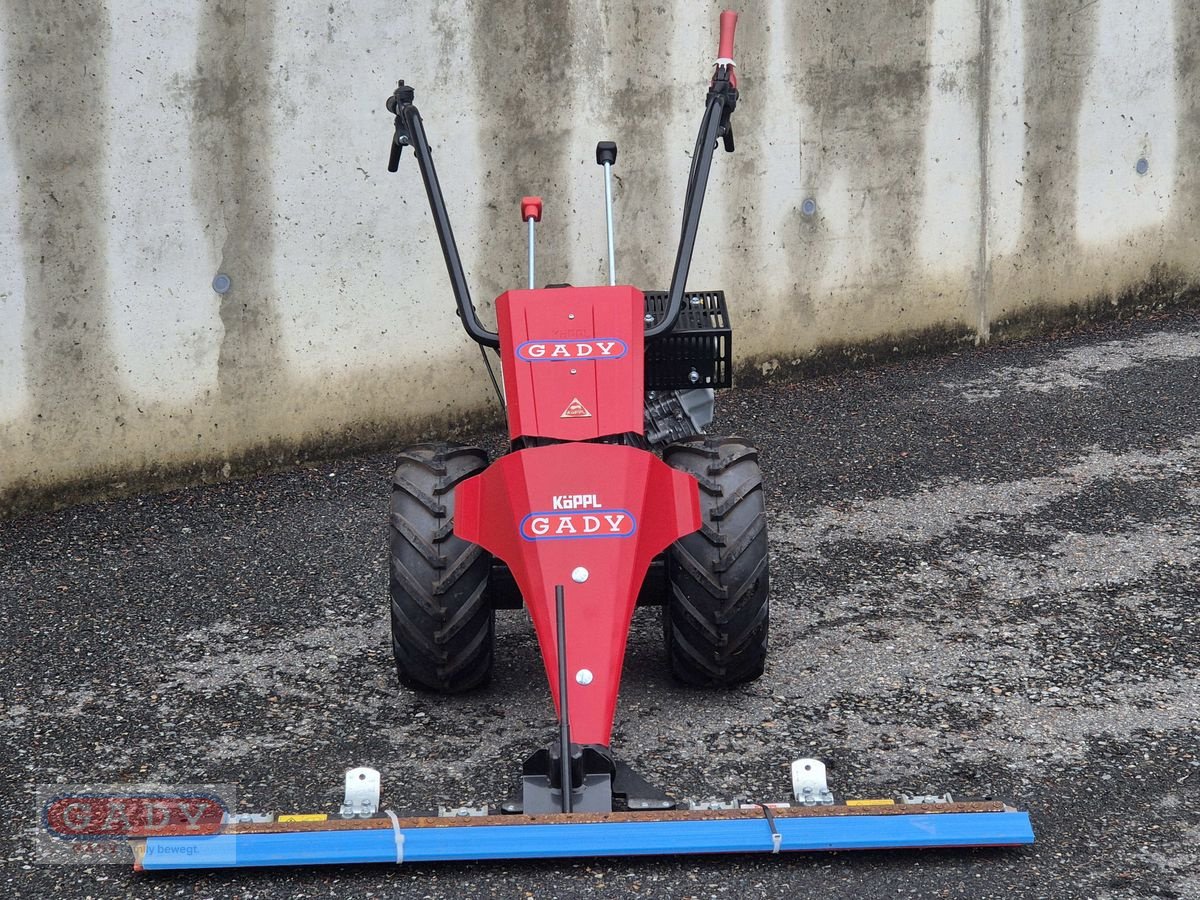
(984, 582)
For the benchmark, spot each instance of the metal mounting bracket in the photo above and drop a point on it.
(695, 805)
(247, 818)
(459, 812)
(808, 783)
(910, 799)
(362, 793)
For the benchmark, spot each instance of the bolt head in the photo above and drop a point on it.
(649, 319)
(583, 676)
(579, 575)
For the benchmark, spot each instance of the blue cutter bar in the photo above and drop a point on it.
(585, 839)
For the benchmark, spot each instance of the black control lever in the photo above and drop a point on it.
(722, 85)
(715, 127)
(402, 97)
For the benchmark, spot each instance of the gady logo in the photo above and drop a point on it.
(572, 351)
(117, 817)
(577, 516)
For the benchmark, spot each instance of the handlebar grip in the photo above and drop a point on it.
(725, 47)
(728, 24)
(394, 158)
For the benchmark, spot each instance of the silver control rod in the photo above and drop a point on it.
(606, 155)
(531, 276)
(612, 253)
(531, 211)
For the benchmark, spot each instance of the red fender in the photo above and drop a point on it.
(549, 511)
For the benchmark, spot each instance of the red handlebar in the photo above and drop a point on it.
(725, 48)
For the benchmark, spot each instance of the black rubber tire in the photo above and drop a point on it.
(716, 614)
(443, 625)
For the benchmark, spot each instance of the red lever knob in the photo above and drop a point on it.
(531, 208)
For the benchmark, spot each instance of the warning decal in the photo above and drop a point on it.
(575, 410)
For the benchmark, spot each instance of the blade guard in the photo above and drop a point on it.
(549, 512)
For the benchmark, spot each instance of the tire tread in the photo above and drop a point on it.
(717, 613)
(443, 625)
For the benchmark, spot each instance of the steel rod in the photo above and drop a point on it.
(564, 722)
(608, 220)
(531, 282)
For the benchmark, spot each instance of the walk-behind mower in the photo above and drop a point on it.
(580, 522)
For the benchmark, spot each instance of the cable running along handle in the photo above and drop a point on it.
(410, 132)
(721, 102)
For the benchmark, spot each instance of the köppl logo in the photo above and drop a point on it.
(575, 501)
(572, 351)
(117, 817)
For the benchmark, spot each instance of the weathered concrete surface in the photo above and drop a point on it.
(984, 580)
(971, 169)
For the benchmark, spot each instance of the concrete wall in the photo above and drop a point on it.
(968, 162)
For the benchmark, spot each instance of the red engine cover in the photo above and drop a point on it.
(573, 361)
(547, 511)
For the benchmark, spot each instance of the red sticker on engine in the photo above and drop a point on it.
(575, 410)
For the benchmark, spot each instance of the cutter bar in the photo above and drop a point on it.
(613, 834)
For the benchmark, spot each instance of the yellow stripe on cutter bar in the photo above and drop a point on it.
(879, 802)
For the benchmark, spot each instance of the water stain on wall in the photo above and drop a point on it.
(231, 135)
(863, 79)
(56, 125)
(856, 72)
(1059, 41)
(640, 100)
(984, 282)
(521, 60)
(1186, 203)
(743, 233)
